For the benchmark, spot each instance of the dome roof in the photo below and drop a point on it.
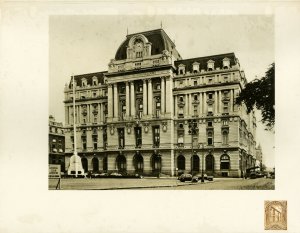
(159, 41)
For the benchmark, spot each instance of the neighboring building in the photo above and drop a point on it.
(134, 117)
(56, 143)
(259, 155)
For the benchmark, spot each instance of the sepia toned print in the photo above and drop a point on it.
(275, 215)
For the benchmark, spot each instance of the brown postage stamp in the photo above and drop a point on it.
(275, 215)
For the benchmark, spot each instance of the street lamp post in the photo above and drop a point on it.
(193, 128)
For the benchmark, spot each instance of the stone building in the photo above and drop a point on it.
(135, 117)
(259, 156)
(56, 143)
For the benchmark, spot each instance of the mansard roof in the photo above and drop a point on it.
(159, 41)
(89, 78)
(218, 59)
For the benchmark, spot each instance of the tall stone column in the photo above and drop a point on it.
(162, 95)
(231, 100)
(176, 106)
(144, 97)
(100, 113)
(79, 121)
(220, 102)
(110, 101)
(190, 105)
(186, 105)
(169, 96)
(204, 103)
(88, 113)
(201, 103)
(132, 98)
(127, 99)
(116, 104)
(150, 113)
(216, 102)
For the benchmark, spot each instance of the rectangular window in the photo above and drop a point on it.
(210, 109)
(180, 139)
(225, 107)
(122, 89)
(104, 137)
(121, 138)
(180, 112)
(138, 137)
(156, 136)
(195, 110)
(139, 54)
(158, 86)
(95, 139)
(209, 123)
(195, 83)
(210, 138)
(84, 144)
(157, 110)
(210, 96)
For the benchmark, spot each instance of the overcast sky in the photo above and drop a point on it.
(85, 44)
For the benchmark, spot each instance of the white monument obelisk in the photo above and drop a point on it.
(75, 167)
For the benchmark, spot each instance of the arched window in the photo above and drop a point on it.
(181, 162)
(209, 162)
(209, 138)
(225, 162)
(95, 163)
(138, 162)
(195, 163)
(121, 163)
(84, 164)
(156, 163)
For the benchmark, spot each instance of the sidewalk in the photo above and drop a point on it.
(113, 184)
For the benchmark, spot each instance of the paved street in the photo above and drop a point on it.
(164, 184)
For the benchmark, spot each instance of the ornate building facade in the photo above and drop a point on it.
(136, 117)
(56, 143)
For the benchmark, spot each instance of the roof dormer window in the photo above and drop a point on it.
(196, 67)
(84, 82)
(226, 63)
(181, 69)
(95, 81)
(210, 65)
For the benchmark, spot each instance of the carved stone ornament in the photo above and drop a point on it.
(128, 126)
(164, 126)
(112, 129)
(146, 127)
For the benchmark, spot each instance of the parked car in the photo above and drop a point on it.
(198, 177)
(185, 177)
(115, 174)
(103, 174)
(95, 175)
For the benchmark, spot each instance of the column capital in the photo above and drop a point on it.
(109, 85)
(144, 81)
(149, 80)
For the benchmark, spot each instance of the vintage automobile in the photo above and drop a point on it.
(185, 177)
(198, 177)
